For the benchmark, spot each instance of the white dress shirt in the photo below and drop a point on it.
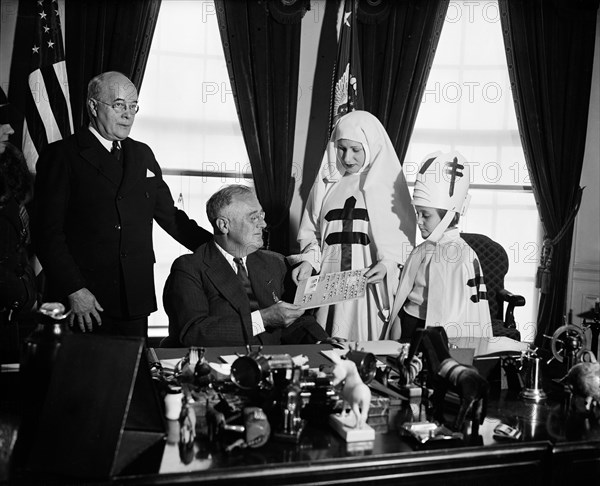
(258, 325)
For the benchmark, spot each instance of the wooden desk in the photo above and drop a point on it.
(551, 446)
(556, 448)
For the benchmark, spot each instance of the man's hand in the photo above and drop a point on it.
(301, 272)
(5, 131)
(281, 314)
(84, 306)
(376, 273)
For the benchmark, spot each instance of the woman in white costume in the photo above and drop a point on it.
(358, 215)
(442, 283)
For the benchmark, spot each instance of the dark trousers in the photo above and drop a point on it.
(409, 324)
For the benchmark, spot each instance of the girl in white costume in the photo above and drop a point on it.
(442, 283)
(358, 215)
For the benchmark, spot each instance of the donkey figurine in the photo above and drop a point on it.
(355, 393)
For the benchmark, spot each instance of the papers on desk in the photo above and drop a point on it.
(378, 348)
(229, 358)
(223, 369)
(490, 347)
(479, 347)
(328, 353)
(382, 348)
(331, 288)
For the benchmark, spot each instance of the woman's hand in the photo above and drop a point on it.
(301, 272)
(376, 273)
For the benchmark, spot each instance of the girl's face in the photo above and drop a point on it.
(427, 220)
(351, 154)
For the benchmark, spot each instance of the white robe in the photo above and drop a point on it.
(381, 189)
(360, 319)
(456, 292)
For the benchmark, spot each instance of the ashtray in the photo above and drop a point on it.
(429, 435)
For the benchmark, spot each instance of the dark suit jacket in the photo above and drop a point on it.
(208, 306)
(93, 224)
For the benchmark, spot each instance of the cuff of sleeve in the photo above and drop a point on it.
(312, 256)
(258, 325)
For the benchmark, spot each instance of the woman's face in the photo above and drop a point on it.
(351, 155)
(427, 220)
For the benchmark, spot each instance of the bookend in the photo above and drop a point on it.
(101, 412)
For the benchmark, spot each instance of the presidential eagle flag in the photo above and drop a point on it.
(39, 89)
(347, 81)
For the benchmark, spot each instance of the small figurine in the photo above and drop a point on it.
(355, 393)
(584, 380)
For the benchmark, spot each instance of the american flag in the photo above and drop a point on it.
(47, 104)
(347, 82)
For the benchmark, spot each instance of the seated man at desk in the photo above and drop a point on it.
(230, 292)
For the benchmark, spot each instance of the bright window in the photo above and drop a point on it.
(188, 117)
(468, 106)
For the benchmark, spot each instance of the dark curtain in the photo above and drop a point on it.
(397, 42)
(549, 49)
(261, 41)
(106, 35)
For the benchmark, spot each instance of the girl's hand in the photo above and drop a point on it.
(376, 273)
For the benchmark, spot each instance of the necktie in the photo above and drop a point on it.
(116, 150)
(243, 276)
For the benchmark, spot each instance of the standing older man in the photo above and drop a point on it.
(209, 305)
(97, 193)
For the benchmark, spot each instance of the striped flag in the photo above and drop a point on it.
(347, 81)
(39, 106)
(47, 111)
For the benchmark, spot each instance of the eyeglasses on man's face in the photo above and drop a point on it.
(121, 106)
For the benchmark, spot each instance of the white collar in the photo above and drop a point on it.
(229, 257)
(107, 144)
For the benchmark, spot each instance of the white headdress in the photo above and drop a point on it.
(443, 183)
(386, 192)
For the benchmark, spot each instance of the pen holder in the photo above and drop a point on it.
(532, 379)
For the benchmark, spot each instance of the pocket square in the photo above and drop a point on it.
(149, 173)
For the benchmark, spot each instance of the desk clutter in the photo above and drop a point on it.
(417, 390)
(217, 402)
